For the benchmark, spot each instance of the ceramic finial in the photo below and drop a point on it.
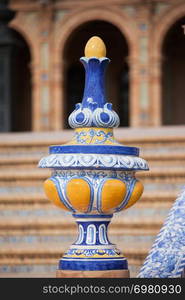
(95, 47)
(94, 110)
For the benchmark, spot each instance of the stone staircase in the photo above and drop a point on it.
(34, 233)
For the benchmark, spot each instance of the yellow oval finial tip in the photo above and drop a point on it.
(95, 47)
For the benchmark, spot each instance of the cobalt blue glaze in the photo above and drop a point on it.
(97, 240)
(90, 265)
(80, 117)
(105, 117)
(101, 149)
(92, 216)
(94, 82)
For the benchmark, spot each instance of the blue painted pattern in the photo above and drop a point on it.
(104, 117)
(93, 161)
(167, 256)
(83, 136)
(92, 232)
(92, 252)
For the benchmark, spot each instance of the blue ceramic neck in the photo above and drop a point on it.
(94, 91)
(92, 230)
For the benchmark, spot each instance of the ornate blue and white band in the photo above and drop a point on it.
(93, 161)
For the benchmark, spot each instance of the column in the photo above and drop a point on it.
(134, 91)
(156, 91)
(57, 94)
(36, 113)
(140, 101)
(42, 72)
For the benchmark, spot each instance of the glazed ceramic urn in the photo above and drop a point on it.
(93, 176)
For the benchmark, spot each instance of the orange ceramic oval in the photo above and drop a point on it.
(78, 193)
(136, 194)
(113, 193)
(52, 194)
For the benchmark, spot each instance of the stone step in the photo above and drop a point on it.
(163, 157)
(27, 271)
(160, 186)
(61, 224)
(37, 211)
(123, 239)
(20, 189)
(21, 162)
(12, 200)
(59, 236)
(42, 233)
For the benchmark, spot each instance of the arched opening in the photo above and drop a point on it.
(173, 75)
(15, 84)
(117, 79)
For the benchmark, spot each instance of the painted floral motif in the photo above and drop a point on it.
(94, 136)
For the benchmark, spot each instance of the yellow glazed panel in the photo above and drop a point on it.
(113, 193)
(101, 136)
(52, 194)
(136, 194)
(78, 193)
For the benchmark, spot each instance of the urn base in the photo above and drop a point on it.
(92, 253)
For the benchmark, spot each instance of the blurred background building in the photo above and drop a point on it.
(41, 81)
